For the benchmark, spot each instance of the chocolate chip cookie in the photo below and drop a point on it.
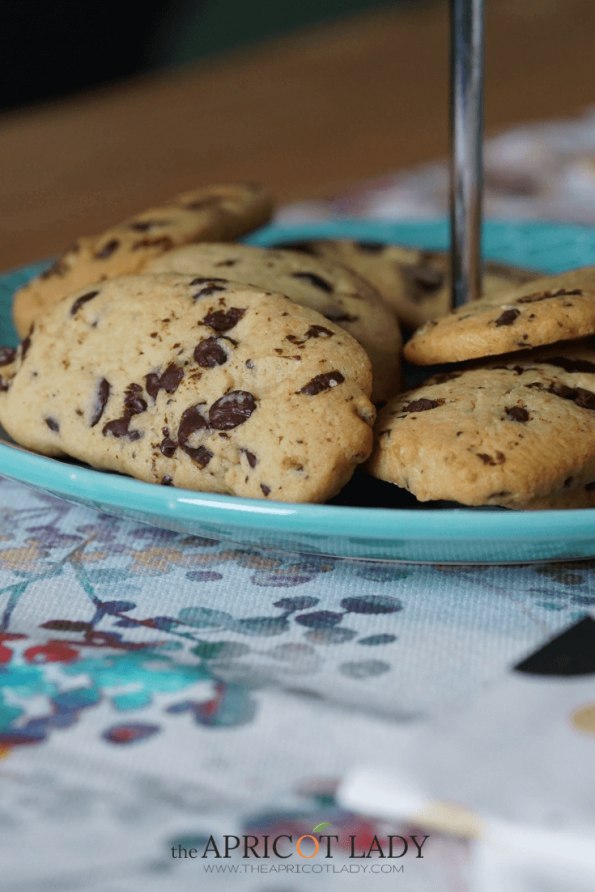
(338, 293)
(193, 382)
(214, 213)
(516, 433)
(544, 311)
(416, 284)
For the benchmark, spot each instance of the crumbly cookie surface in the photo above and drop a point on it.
(208, 214)
(338, 293)
(414, 283)
(194, 383)
(544, 311)
(516, 433)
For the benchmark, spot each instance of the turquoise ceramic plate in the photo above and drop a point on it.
(412, 533)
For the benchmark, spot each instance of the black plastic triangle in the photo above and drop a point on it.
(571, 653)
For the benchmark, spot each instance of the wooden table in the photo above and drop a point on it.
(307, 115)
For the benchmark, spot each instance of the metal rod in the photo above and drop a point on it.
(467, 26)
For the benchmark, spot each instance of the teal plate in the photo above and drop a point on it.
(414, 533)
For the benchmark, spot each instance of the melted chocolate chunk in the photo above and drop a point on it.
(231, 410)
(266, 489)
(315, 280)
(103, 392)
(202, 280)
(82, 300)
(108, 249)
(168, 446)
(335, 314)
(220, 321)
(7, 355)
(315, 331)
(119, 428)
(422, 405)
(134, 404)
(507, 317)
(252, 460)
(322, 382)
(145, 225)
(210, 354)
(52, 424)
(167, 481)
(192, 421)
(544, 295)
(517, 413)
(584, 398)
(168, 381)
(25, 346)
(4, 385)
(163, 241)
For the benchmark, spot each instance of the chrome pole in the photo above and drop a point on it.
(467, 26)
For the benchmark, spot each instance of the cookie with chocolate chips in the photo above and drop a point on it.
(338, 293)
(194, 382)
(214, 213)
(544, 311)
(518, 433)
(414, 283)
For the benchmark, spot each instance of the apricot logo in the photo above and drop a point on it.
(317, 829)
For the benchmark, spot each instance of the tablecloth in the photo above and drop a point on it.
(161, 694)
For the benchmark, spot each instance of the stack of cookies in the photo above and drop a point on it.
(165, 350)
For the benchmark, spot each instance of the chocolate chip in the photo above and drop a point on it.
(517, 413)
(82, 300)
(220, 321)
(168, 447)
(507, 317)
(7, 355)
(315, 280)
(568, 482)
(589, 487)
(119, 428)
(249, 364)
(210, 354)
(584, 398)
(103, 392)
(4, 385)
(52, 424)
(108, 249)
(316, 331)
(252, 460)
(25, 346)
(422, 405)
(302, 247)
(371, 247)
(133, 404)
(335, 314)
(544, 295)
(168, 381)
(163, 241)
(192, 421)
(167, 481)
(425, 279)
(231, 410)
(202, 280)
(134, 388)
(490, 460)
(208, 289)
(562, 390)
(442, 377)
(266, 489)
(145, 225)
(58, 268)
(322, 382)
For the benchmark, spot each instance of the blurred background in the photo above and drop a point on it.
(106, 108)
